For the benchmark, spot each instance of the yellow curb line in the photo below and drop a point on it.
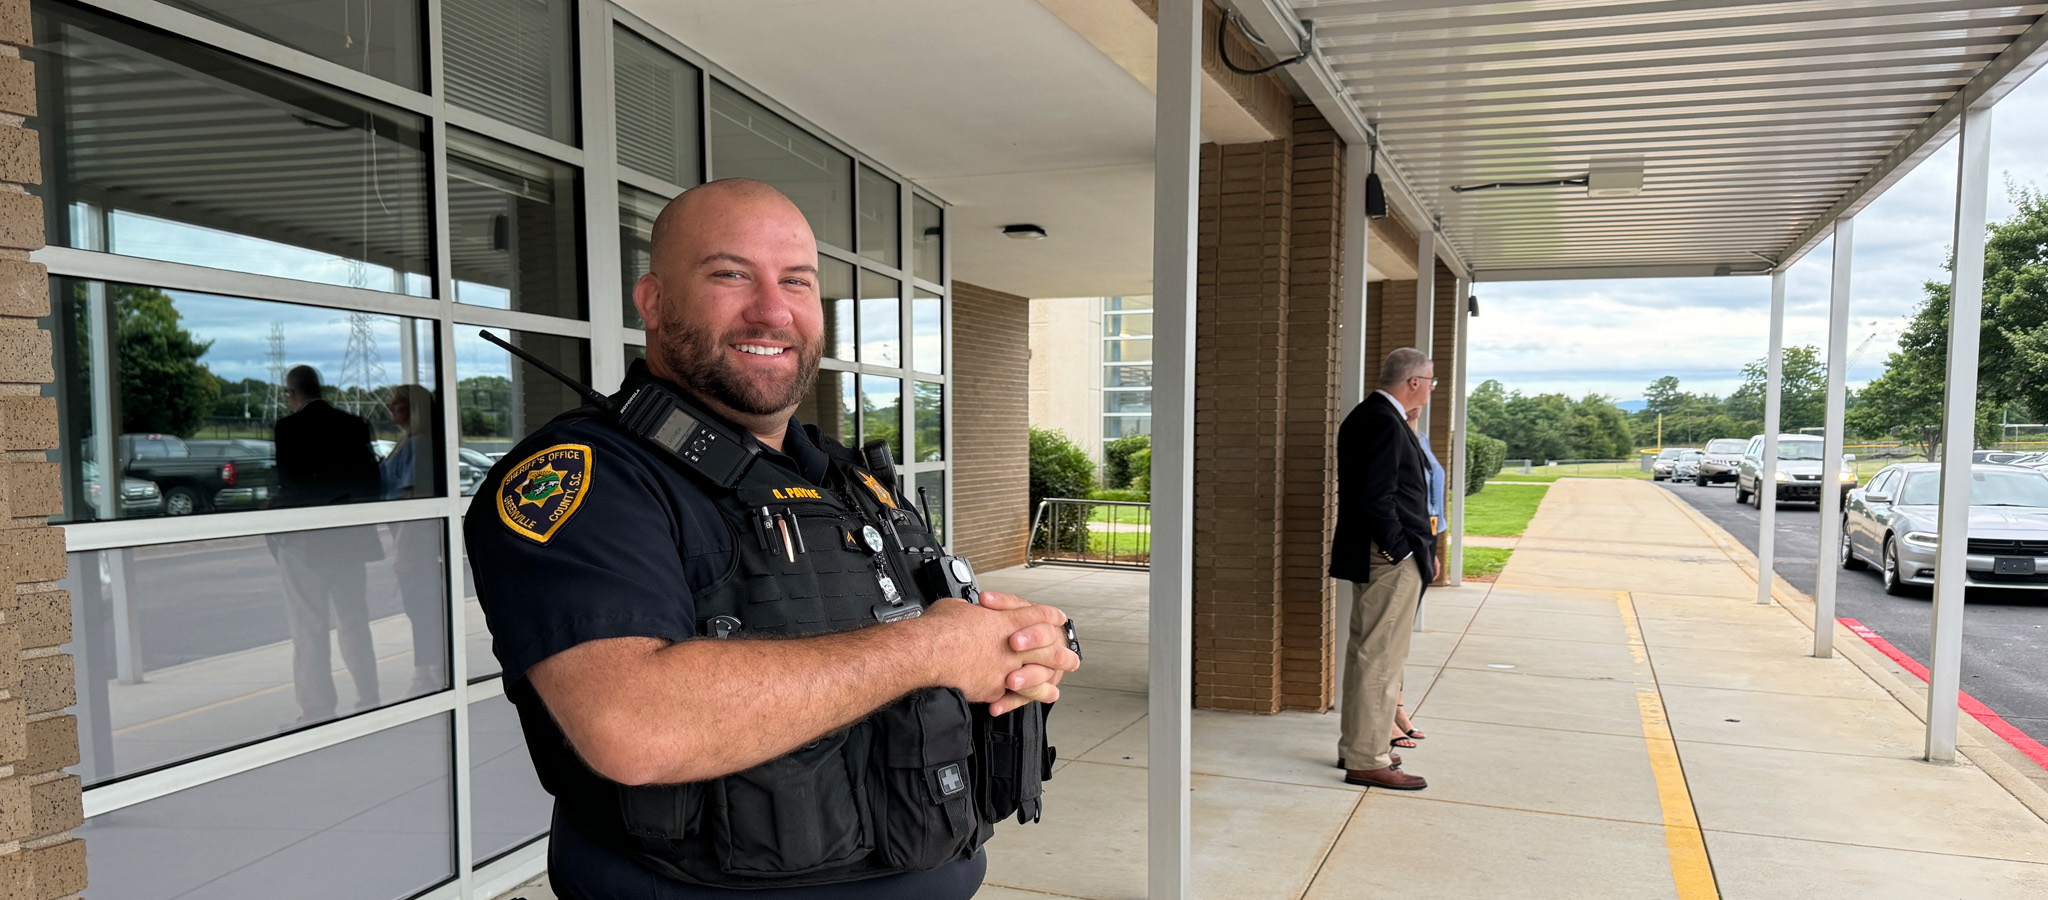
(1691, 871)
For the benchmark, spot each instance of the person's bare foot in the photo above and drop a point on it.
(1404, 728)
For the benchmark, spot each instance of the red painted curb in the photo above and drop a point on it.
(2019, 740)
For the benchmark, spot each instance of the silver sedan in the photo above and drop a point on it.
(1891, 522)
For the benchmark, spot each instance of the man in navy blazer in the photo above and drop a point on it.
(1385, 547)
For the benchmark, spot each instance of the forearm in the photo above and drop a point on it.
(704, 708)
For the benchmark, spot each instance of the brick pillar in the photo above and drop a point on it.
(1309, 507)
(39, 804)
(1240, 423)
(991, 408)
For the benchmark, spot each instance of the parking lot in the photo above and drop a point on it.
(2005, 633)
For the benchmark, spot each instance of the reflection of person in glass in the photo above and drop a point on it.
(408, 472)
(324, 457)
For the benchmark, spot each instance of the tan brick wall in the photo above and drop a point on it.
(1309, 508)
(39, 805)
(991, 452)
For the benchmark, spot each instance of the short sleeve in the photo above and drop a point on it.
(573, 538)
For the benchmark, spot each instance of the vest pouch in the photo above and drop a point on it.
(1013, 762)
(798, 813)
(927, 797)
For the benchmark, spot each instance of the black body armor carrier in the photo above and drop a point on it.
(914, 786)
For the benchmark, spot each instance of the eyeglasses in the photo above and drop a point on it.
(1432, 382)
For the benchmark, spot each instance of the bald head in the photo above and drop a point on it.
(705, 204)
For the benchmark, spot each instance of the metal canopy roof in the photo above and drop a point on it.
(1758, 122)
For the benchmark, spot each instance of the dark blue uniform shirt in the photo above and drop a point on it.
(638, 538)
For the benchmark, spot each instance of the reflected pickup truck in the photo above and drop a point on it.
(202, 476)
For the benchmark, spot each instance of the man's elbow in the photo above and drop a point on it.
(630, 757)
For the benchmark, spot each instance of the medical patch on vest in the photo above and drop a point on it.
(950, 780)
(543, 491)
(881, 493)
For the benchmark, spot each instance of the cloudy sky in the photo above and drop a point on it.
(1541, 336)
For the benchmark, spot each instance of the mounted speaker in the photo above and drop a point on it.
(1375, 197)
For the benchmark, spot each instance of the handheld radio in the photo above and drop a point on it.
(667, 419)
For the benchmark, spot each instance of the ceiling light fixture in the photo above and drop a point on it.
(1616, 177)
(1024, 232)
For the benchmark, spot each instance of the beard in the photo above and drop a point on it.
(698, 359)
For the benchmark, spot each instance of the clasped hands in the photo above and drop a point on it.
(1007, 652)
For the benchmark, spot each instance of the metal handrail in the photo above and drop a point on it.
(1061, 519)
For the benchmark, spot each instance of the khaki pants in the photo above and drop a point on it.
(1382, 621)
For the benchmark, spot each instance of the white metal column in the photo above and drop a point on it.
(1425, 300)
(1353, 368)
(1767, 477)
(1958, 432)
(1454, 482)
(1176, 171)
(1827, 565)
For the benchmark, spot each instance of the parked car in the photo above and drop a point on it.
(1800, 471)
(1687, 466)
(201, 476)
(470, 466)
(1892, 524)
(2000, 457)
(138, 497)
(1660, 468)
(1719, 461)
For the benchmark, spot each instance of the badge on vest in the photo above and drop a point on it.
(881, 493)
(543, 491)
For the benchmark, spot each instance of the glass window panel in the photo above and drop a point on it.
(881, 324)
(513, 60)
(931, 421)
(1126, 376)
(832, 406)
(933, 501)
(881, 409)
(374, 37)
(512, 229)
(477, 637)
(509, 807)
(160, 148)
(1127, 325)
(500, 399)
(749, 141)
(927, 233)
(367, 819)
(1113, 304)
(198, 394)
(635, 351)
(1126, 401)
(658, 119)
(1114, 427)
(637, 211)
(1127, 350)
(184, 649)
(835, 291)
(927, 332)
(881, 230)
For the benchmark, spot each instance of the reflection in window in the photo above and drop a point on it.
(880, 231)
(749, 141)
(1118, 304)
(302, 828)
(928, 239)
(184, 649)
(657, 96)
(513, 60)
(927, 336)
(932, 500)
(931, 421)
(500, 399)
(200, 416)
(509, 805)
(1126, 401)
(1127, 376)
(1127, 325)
(376, 37)
(881, 326)
(637, 211)
(483, 663)
(164, 149)
(881, 412)
(835, 291)
(1114, 427)
(831, 405)
(1127, 350)
(512, 223)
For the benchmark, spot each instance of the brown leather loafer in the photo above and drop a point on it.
(1396, 757)
(1390, 778)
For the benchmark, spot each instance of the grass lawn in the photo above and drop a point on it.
(1485, 563)
(1502, 510)
(1545, 474)
(1127, 544)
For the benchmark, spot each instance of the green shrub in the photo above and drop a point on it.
(1117, 470)
(1120, 495)
(1060, 469)
(1484, 457)
(1141, 472)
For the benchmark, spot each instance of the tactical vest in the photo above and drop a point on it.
(918, 784)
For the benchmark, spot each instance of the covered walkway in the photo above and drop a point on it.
(1616, 717)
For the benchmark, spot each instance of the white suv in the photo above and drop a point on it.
(1800, 471)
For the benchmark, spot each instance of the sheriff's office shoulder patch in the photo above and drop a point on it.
(881, 493)
(543, 491)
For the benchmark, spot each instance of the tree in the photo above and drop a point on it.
(1599, 429)
(485, 404)
(1803, 399)
(164, 387)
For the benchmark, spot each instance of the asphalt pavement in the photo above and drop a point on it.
(2005, 632)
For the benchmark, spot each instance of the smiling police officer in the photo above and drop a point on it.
(751, 685)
